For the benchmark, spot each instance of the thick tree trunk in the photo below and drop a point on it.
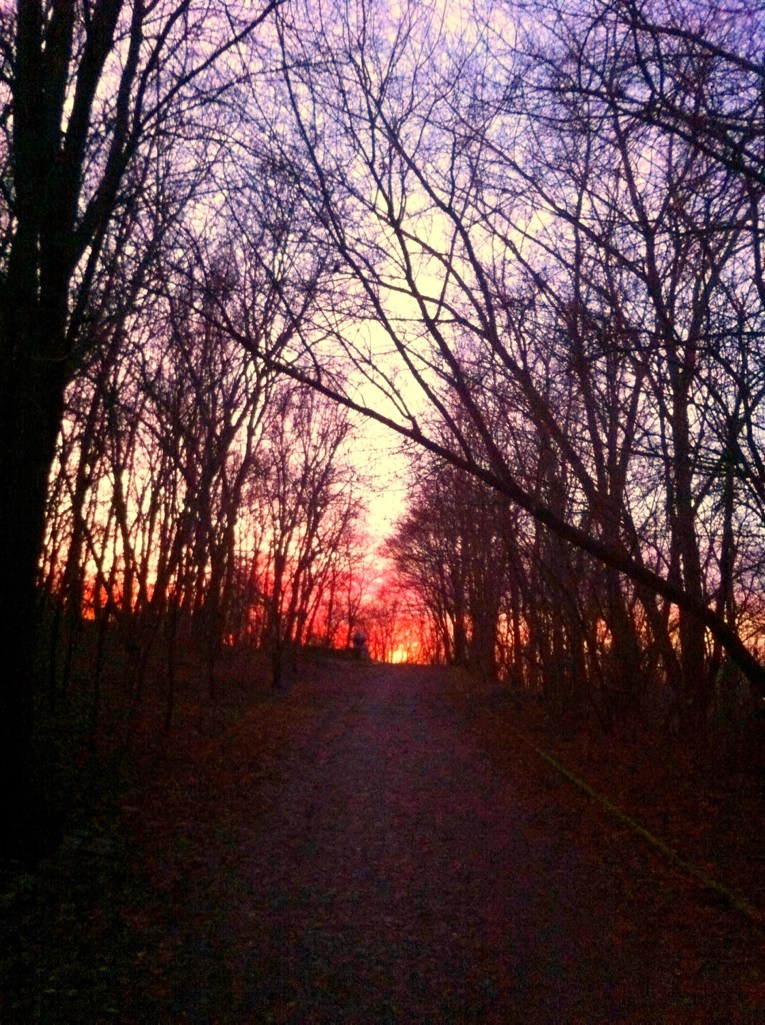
(692, 631)
(31, 396)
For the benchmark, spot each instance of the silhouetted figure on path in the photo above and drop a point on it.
(360, 649)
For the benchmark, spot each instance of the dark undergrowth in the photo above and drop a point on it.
(74, 920)
(706, 803)
(88, 933)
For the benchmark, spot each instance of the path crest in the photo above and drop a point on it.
(399, 879)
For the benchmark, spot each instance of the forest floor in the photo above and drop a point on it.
(385, 845)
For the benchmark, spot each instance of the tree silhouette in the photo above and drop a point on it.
(92, 97)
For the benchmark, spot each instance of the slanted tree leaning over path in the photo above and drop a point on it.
(512, 216)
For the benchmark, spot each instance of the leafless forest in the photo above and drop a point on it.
(527, 237)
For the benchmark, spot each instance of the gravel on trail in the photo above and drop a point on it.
(397, 878)
(375, 866)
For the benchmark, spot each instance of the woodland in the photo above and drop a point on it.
(526, 237)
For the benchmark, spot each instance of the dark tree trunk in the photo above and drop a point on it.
(31, 396)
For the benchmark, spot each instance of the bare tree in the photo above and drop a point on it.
(87, 93)
(449, 547)
(466, 212)
(308, 505)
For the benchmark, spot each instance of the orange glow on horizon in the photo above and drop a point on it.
(400, 654)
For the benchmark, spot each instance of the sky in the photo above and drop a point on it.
(385, 468)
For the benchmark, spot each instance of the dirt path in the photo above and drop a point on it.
(398, 878)
(371, 866)
(410, 893)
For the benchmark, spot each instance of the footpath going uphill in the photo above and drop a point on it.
(349, 853)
